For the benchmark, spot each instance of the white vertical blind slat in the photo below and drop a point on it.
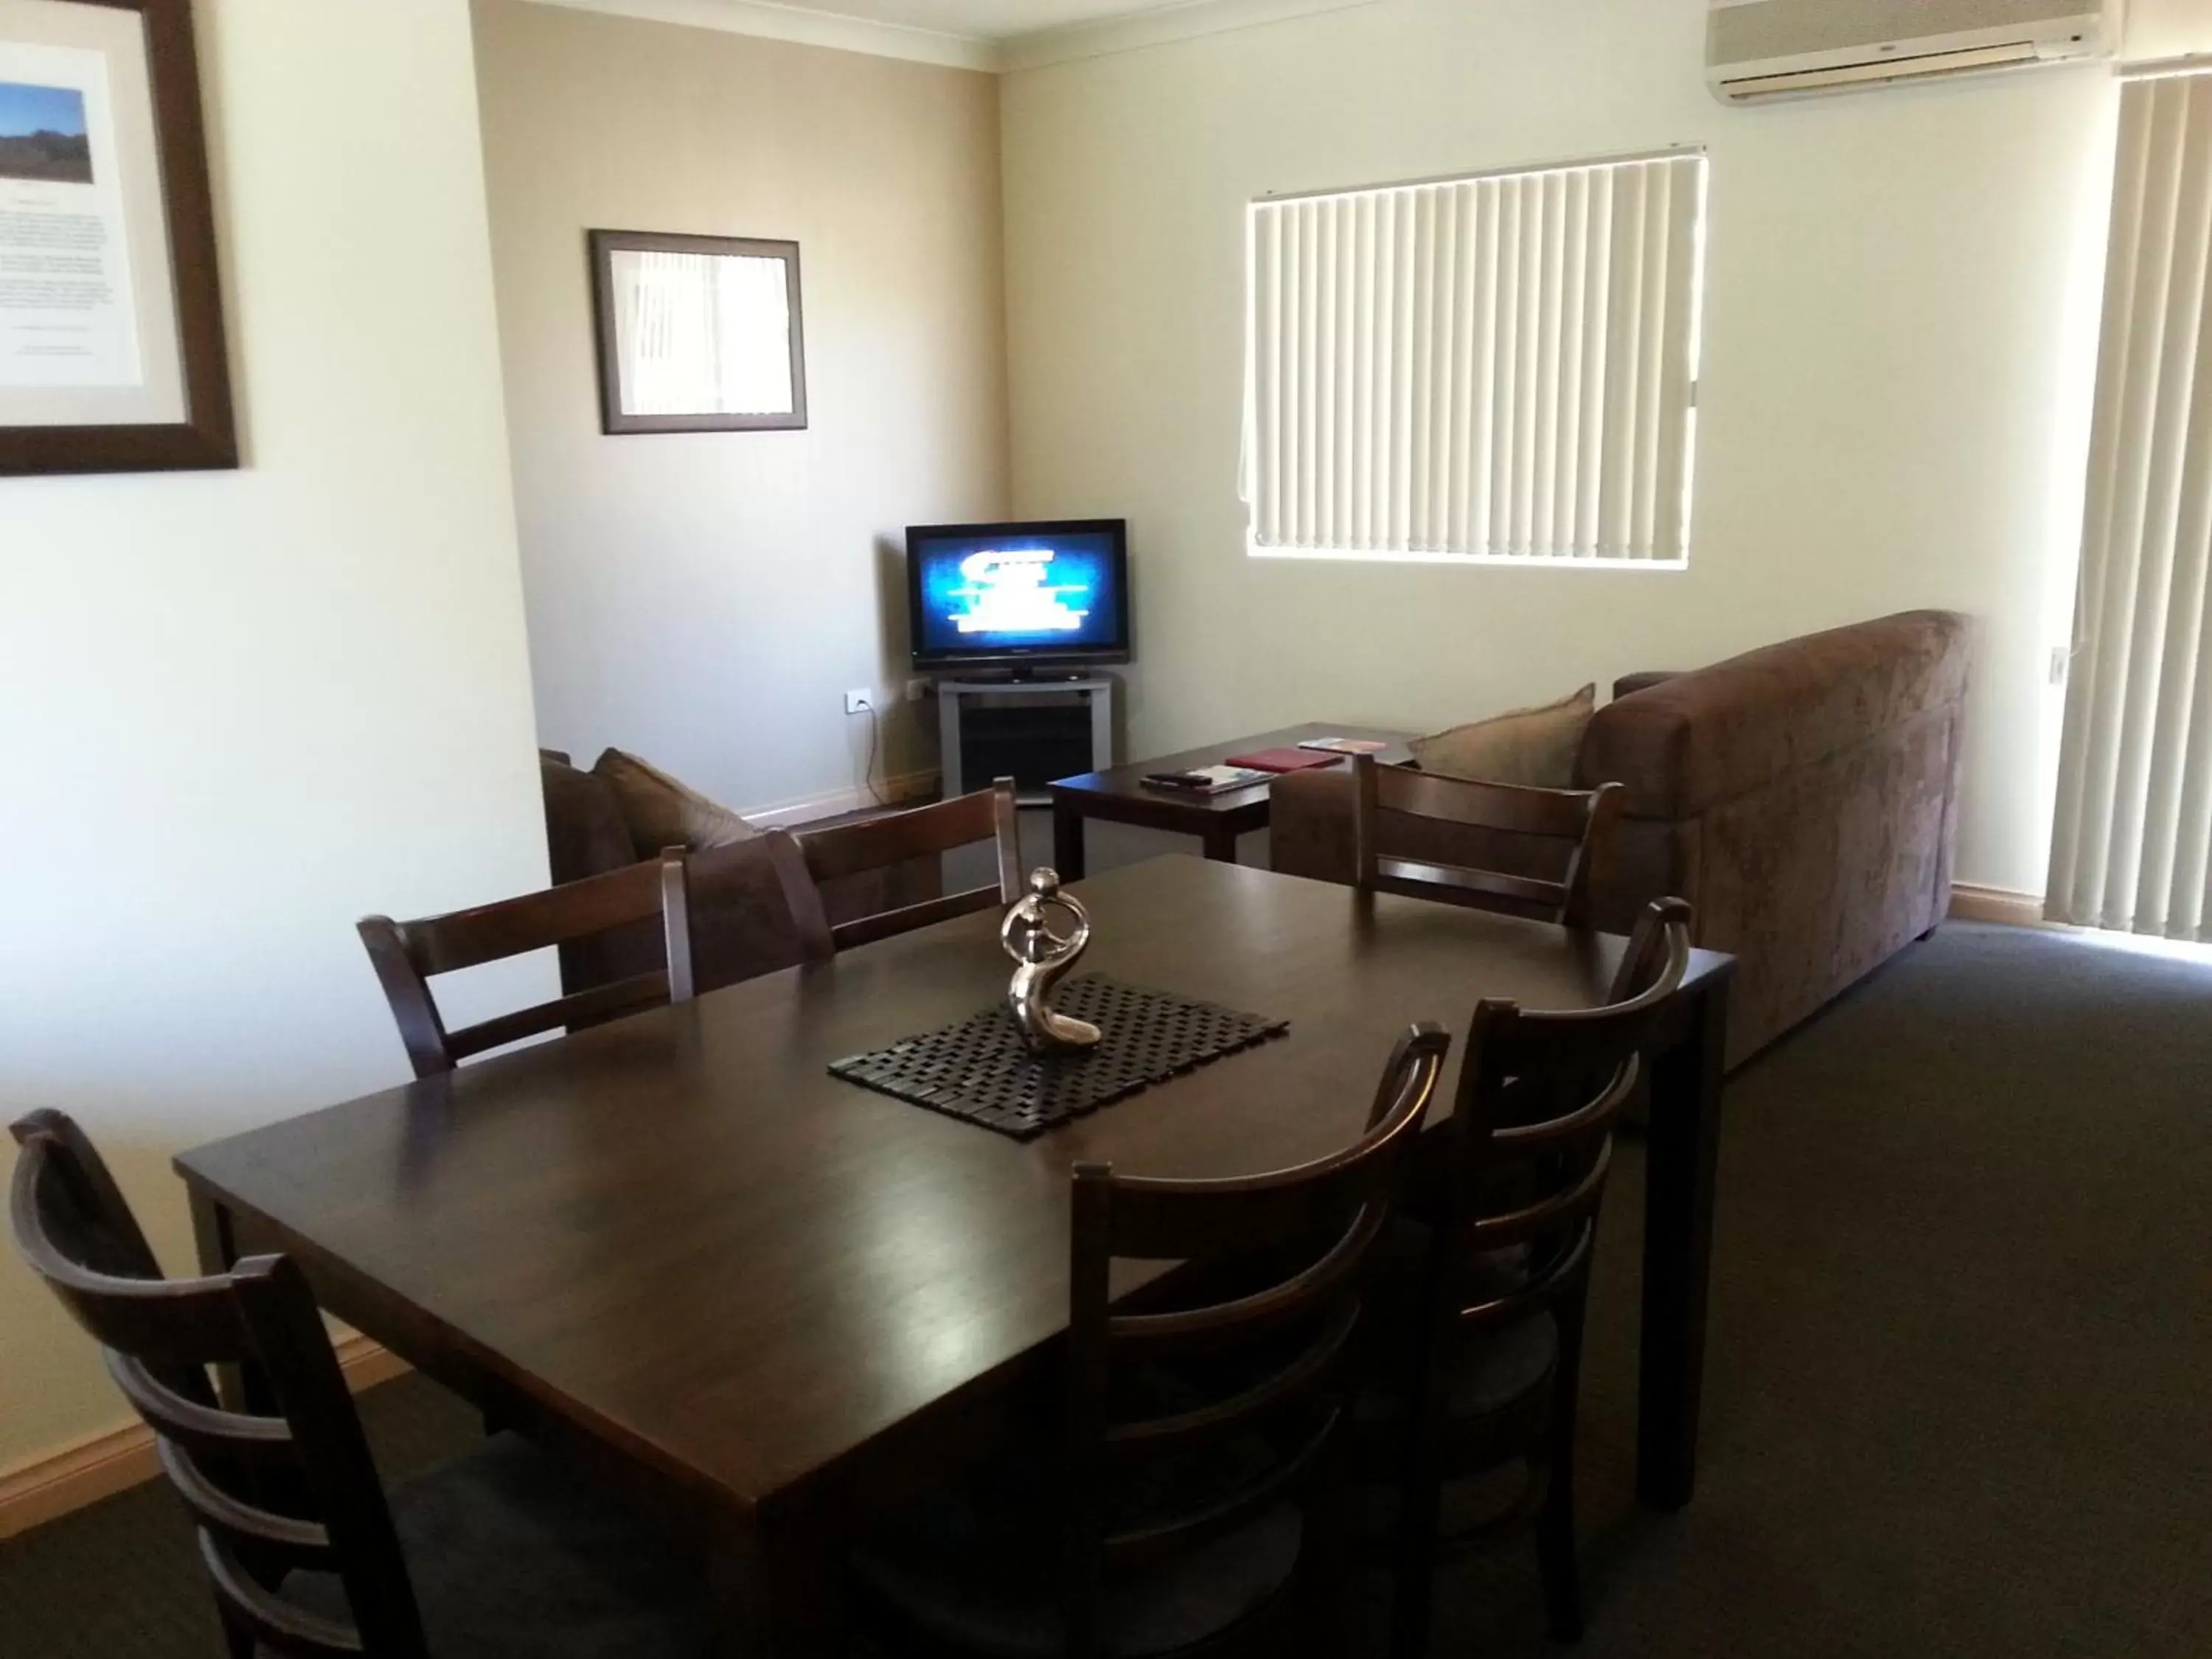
(1446, 345)
(1617, 501)
(1384, 419)
(1421, 455)
(1324, 349)
(1596, 367)
(1266, 482)
(1466, 364)
(1345, 530)
(2132, 830)
(1482, 437)
(1363, 407)
(1543, 506)
(1528, 372)
(1506, 410)
(1574, 282)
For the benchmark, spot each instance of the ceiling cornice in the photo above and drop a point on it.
(1158, 26)
(1154, 28)
(806, 26)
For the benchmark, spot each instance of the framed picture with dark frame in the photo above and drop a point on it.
(697, 333)
(111, 350)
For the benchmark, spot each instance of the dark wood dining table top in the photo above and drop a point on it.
(680, 1235)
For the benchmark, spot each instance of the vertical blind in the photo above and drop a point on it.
(2133, 833)
(1492, 367)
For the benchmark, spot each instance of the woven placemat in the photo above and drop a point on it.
(979, 1070)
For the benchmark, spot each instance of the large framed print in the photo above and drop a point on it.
(112, 353)
(698, 333)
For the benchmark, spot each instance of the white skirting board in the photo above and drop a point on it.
(1998, 904)
(101, 1465)
(894, 792)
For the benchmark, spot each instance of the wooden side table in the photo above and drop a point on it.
(1120, 795)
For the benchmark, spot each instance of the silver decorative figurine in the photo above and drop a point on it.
(1045, 957)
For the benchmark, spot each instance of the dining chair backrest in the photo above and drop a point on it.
(408, 955)
(1561, 831)
(1530, 1139)
(268, 1491)
(1278, 1266)
(849, 849)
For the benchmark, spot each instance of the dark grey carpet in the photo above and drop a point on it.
(1957, 1399)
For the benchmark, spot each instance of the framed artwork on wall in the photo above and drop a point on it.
(697, 333)
(111, 350)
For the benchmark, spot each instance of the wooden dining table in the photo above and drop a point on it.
(775, 1304)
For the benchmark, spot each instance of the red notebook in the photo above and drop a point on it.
(1284, 760)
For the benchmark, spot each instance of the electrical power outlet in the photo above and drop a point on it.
(916, 690)
(859, 702)
(2061, 658)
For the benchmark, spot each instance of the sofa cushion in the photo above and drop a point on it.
(1536, 747)
(585, 833)
(662, 811)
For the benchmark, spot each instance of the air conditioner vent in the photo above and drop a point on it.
(1762, 49)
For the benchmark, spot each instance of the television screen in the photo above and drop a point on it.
(1019, 594)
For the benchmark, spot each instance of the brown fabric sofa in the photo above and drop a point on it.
(1803, 797)
(741, 927)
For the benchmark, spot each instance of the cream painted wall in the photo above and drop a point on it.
(1900, 331)
(705, 600)
(241, 709)
(2168, 28)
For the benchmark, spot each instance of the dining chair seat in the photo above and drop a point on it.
(976, 1569)
(1488, 1376)
(515, 1555)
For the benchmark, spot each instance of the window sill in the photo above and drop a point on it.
(1494, 561)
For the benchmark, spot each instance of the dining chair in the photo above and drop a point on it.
(1191, 1500)
(408, 955)
(500, 1554)
(1436, 837)
(848, 850)
(1482, 1337)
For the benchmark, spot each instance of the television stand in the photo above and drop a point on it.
(1030, 730)
(1026, 677)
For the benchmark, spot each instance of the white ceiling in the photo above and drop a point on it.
(986, 34)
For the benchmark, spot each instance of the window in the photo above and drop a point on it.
(1492, 369)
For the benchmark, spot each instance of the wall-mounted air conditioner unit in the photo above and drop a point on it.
(1758, 50)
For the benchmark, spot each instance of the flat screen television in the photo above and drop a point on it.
(1018, 597)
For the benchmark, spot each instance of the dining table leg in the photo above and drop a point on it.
(1068, 848)
(776, 1590)
(1682, 1164)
